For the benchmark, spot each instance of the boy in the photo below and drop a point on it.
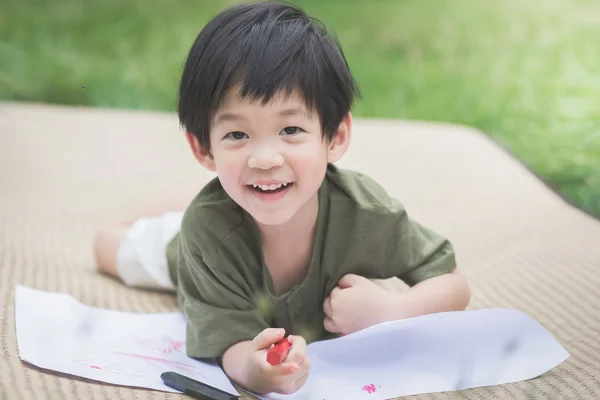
(282, 242)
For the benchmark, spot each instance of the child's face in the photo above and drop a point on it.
(276, 146)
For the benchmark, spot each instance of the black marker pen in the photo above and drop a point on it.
(193, 388)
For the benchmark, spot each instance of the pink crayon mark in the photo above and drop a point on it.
(109, 367)
(175, 345)
(370, 388)
(163, 345)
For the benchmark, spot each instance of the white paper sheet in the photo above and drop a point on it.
(431, 353)
(56, 332)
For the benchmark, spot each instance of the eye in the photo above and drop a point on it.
(291, 130)
(237, 135)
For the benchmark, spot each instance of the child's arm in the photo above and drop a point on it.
(446, 292)
(357, 302)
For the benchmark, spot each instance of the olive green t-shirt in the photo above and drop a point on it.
(225, 290)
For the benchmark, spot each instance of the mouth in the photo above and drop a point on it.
(274, 188)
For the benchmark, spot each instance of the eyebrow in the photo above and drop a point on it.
(295, 111)
(228, 116)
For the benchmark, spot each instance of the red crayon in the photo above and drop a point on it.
(279, 352)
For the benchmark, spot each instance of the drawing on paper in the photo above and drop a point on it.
(161, 363)
(370, 388)
(100, 364)
(164, 345)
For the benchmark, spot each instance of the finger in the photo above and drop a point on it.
(284, 369)
(292, 384)
(327, 307)
(349, 280)
(266, 338)
(334, 292)
(302, 378)
(298, 350)
(329, 325)
(294, 370)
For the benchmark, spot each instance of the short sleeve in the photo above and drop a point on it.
(215, 299)
(416, 252)
(370, 234)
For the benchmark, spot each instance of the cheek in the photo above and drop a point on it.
(229, 169)
(309, 164)
(311, 155)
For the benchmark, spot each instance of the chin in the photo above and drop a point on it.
(272, 219)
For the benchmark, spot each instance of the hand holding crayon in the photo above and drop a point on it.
(278, 352)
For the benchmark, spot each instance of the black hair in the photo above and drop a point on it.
(266, 48)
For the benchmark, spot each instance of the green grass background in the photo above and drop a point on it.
(526, 73)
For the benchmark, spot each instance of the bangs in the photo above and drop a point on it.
(265, 50)
(279, 64)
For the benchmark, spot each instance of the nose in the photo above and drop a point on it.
(265, 157)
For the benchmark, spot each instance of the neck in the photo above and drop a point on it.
(303, 223)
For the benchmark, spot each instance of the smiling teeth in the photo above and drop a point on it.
(269, 187)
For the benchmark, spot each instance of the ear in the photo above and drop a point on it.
(341, 140)
(200, 153)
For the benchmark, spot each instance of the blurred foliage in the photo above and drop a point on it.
(525, 73)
